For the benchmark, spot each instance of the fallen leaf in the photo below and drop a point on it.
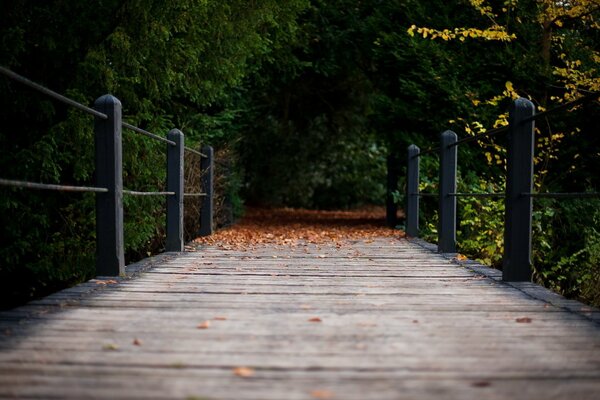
(244, 372)
(315, 319)
(524, 320)
(220, 318)
(110, 347)
(322, 394)
(461, 257)
(137, 342)
(204, 325)
(481, 384)
(107, 282)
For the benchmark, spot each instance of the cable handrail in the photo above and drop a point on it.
(40, 88)
(195, 152)
(49, 186)
(518, 195)
(502, 129)
(21, 79)
(110, 256)
(572, 195)
(136, 193)
(424, 194)
(476, 194)
(572, 103)
(479, 136)
(428, 150)
(147, 134)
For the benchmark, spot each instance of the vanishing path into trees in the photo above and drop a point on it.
(335, 309)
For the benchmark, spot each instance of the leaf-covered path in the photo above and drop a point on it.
(307, 315)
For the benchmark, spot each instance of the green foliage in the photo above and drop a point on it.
(178, 65)
(481, 228)
(567, 248)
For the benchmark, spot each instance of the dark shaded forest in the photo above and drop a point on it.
(306, 102)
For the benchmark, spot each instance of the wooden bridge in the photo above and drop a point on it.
(382, 318)
(377, 318)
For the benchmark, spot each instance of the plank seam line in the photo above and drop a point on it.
(184, 366)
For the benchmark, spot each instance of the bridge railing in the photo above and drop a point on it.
(108, 124)
(518, 196)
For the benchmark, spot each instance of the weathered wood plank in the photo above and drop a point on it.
(395, 321)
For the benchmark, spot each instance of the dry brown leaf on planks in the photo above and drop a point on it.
(315, 319)
(524, 320)
(137, 342)
(243, 372)
(204, 325)
(220, 318)
(322, 394)
(107, 282)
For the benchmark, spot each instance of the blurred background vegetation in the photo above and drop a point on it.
(304, 101)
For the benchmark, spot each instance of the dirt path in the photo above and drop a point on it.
(297, 227)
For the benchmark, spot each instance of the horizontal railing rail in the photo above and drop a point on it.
(148, 134)
(109, 189)
(49, 186)
(518, 197)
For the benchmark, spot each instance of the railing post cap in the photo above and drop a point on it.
(414, 147)
(523, 103)
(449, 134)
(175, 132)
(107, 99)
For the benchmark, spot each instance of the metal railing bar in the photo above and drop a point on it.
(501, 129)
(579, 195)
(580, 100)
(135, 193)
(424, 194)
(195, 152)
(477, 194)
(47, 186)
(485, 134)
(429, 150)
(148, 134)
(21, 79)
(194, 194)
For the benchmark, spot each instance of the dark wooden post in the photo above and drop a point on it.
(110, 257)
(412, 192)
(447, 224)
(519, 180)
(207, 173)
(175, 184)
(393, 173)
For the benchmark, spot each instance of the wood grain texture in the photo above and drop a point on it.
(380, 319)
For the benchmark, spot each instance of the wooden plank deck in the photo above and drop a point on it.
(383, 319)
